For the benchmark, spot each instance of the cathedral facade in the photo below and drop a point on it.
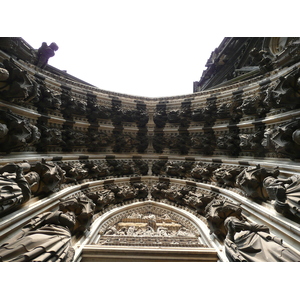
(92, 175)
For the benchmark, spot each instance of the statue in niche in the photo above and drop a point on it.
(17, 86)
(160, 117)
(44, 53)
(141, 167)
(15, 188)
(83, 209)
(98, 169)
(46, 99)
(286, 93)
(123, 193)
(250, 242)
(203, 171)
(102, 198)
(141, 190)
(16, 133)
(50, 175)
(217, 211)
(50, 137)
(284, 139)
(159, 142)
(158, 190)
(119, 167)
(74, 171)
(197, 202)
(252, 141)
(97, 139)
(263, 59)
(249, 106)
(286, 194)
(71, 106)
(209, 113)
(251, 179)
(230, 142)
(159, 167)
(123, 142)
(227, 175)
(223, 111)
(173, 116)
(197, 115)
(74, 138)
(46, 238)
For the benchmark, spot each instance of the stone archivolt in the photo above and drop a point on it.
(236, 135)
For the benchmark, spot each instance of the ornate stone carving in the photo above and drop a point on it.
(254, 243)
(203, 171)
(150, 226)
(47, 238)
(16, 133)
(250, 180)
(284, 139)
(18, 86)
(286, 194)
(216, 213)
(227, 175)
(14, 187)
(83, 209)
(50, 176)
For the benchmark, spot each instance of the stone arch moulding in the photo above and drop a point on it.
(207, 249)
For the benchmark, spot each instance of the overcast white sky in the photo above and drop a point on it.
(146, 48)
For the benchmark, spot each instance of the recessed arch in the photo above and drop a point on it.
(205, 249)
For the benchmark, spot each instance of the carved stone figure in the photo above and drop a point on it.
(47, 238)
(284, 139)
(50, 175)
(286, 193)
(160, 116)
(226, 175)
(217, 211)
(74, 171)
(102, 198)
(44, 53)
(286, 93)
(83, 208)
(16, 133)
(203, 171)
(250, 180)
(18, 86)
(98, 169)
(15, 189)
(249, 242)
(159, 167)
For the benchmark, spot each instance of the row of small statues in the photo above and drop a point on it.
(18, 134)
(23, 181)
(47, 237)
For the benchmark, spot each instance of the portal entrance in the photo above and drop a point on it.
(149, 231)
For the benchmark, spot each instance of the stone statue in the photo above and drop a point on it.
(44, 53)
(47, 238)
(15, 84)
(284, 139)
(217, 211)
(249, 242)
(15, 188)
(51, 177)
(250, 180)
(16, 133)
(83, 209)
(285, 193)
